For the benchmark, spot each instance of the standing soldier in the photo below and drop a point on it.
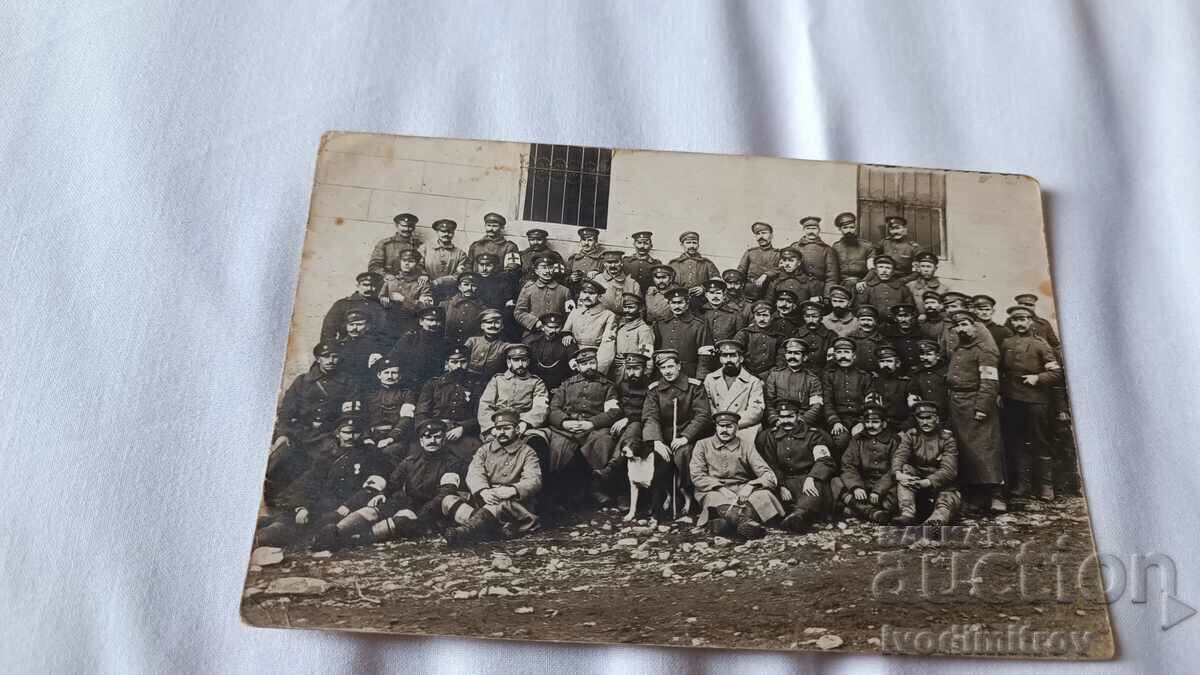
(1041, 327)
(903, 334)
(453, 398)
(733, 389)
(815, 334)
(387, 250)
(932, 322)
(684, 333)
(899, 247)
(641, 264)
(443, 259)
(820, 259)
(585, 261)
(492, 242)
(791, 276)
(800, 456)
(984, 306)
(615, 282)
(925, 266)
(1031, 369)
(657, 305)
(633, 336)
(691, 268)
(463, 310)
(845, 387)
(925, 467)
(359, 349)
(405, 290)
(538, 248)
(757, 264)
(762, 343)
(852, 251)
(592, 325)
(884, 290)
(794, 382)
(422, 351)
(733, 482)
(928, 381)
(365, 298)
(542, 295)
(676, 415)
(549, 351)
(840, 319)
(972, 378)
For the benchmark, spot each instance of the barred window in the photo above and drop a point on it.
(919, 196)
(567, 184)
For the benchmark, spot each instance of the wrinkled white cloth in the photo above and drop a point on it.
(157, 160)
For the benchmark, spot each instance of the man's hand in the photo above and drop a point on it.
(762, 279)
(385, 300)
(383, 443)
(860, 495)
(858, 429)
(903, 478)
(489, 496)
(454, 434)
(583, 426)
(302, 516)
(912, 399)
(874, 497)
(677, 443)
(785, 494)
(860, 287)
(980, 415)
(745, 490)
(810, 487)
(662, 449)
(618, 426)
(706, 350)
(373, 358)
(568, 340)
(924, 483)
(696, 290)
(839, 429)
(1030, 380)
(376, 501)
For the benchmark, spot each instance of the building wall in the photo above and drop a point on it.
(363, 180)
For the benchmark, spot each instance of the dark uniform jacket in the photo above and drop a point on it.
(693, 270)
(693, 419)
(759, 261)
(355, 359)
(821, 261)
(530, 253)
(453, 397)
(1042, 329)
(499, 289)
(334, 476)
(587, 400)
(801, 453)
(498, 247)
(801, 283)
(929, 384)
(641, 269)
(723, 322)
(632, 400)
(686, 333)
(549, 359)
(883, 295)
(999, 333)
(422, 354)
(845, 392)
(386, 253)
(906, 347)
(864, 349)
(384, 408)
(586, 262)
(902, 252)
(462, 317)
(818, 342)
(312, 403)
(932, 329)
(969, 363)
(1029, 355)
(867, 462)
(762, 348)
(803, 387)
(417, 478)
(334, 325)
(933, 456)
(893, 394)
(852, 256)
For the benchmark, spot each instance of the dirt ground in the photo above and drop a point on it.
(846, 586)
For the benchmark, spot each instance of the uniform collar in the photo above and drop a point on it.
(546, 284)
(734, 444)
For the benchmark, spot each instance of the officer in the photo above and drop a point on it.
(453, 398)
(493, 242)
(387, 250)
(676, 415)
(802, 459)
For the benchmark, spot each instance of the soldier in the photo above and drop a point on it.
(359, 349)
(641, 264)
(542, 295)
(691, 268)
(493, 242)
(550, 351)
(443, 260)
(592, 325)
(735, 293)
(415, 493)
(891, 387)
(422, 352)
(759, 263)
(788, 316)
(462, 311)
(486, 350)
(389, 409)
(615, 282)
(1041, 327)
(516, 389)
(537, 249)
(1031, 369)
(801, 458)
(972, 379)
(845, 387)
(867, 486)
(932, 324)
(840, 319)
(762, 343)
(792, 276)
(903, 334)
(925, 467)
(581, 411)
(733, 482)
(724, 320)
(852, 251)
(684, 333)
(984, 306)
(820, 260)
(585, 261)
(503, 478)
(928, 381)
(816, 335)
(925, 266)
(365, 298)
(733, 389)
(387, 250)
(404, 291)
(867, 338)
(676, 415)
(657, 305)
(452, 398)
(633, 335)
(794, 382)
(899, 247)
(497, 290)
(884, 290)
(631, 391)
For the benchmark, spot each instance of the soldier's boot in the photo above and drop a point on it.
(796, 522)
(1021, 486)
(880, 517)
(908, 506)
(748, 526)
(326, 539)
(605, 474)
(1044, 477)
(998, 505)
(860, 510)
(390, 529)
(939, 518)
(481, 527)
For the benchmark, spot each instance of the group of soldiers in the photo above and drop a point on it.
(474, 393)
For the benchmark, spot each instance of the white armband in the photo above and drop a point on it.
(611, 404)
(1053, 365)
(408, 410)
(988, 373)
(821, 452)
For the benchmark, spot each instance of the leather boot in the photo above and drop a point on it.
(481, 527)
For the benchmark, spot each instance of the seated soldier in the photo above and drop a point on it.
(422, 352)
(733, 483)
(801, 459)
(627, 429)
(793, 381)
(890, 388)
(592, 325)
(518, 390)
(550, 350)
(581, 411)
(502, 480)
(761, 342)
(390, 409)
(463, 310)
(453, 398)
(406, 289)
(928, 382)
(414, 500)
(676, 415)
(925, 466)
(486, 350)
(345, 477)
(359, 349)
(845, 391)
(867, 487)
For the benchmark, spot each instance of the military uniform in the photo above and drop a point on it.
(311, 404)
(845, 391)
(594, 327)
(742, 395)
(539, 297)
(582, 399)
(852, 257)
(686, 334)
(972, 378)
(586, 263)
(549, 358)
(486, 356)
(865, 346)
(692, 420)
(462, 317)
(867, 465)
(821, 261)
(386, 253)
(356, 356)
(615, 287)
(454, 398)
(893, 394)
(657, 306)
(932, 328)
(1026, 416)
(905, 344)
(841, 327)
(526, 395)
(715, 465)
(929, 384)
(784, 384)
(934, 457)
(917, 287)
(693, 270)
(641, 268)
(418, 485)
(499, 247)
(723, 322)
(758, 261)
(389, 412)
(902, 252)
(515, 465)
(528, 255)
(883, 295)
(443, 262)
(633, 336)
(796, 455)
(422, 352)
(762, 349)
(333, 327)
(999, 333)
(801, 283)
(818, 346)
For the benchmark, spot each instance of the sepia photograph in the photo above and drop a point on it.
(565, 393)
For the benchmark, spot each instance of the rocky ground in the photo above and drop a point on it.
(845, 586)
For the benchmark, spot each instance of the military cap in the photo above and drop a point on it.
(1026, 299)
(516, 350)
(613, 255)
(1020, 310)
(928, 345)
(796, 342)
(354, 421)
(926, 256)
(951, 296)
(715, 282)
(840, 290)
(874, 409)
(383, 363)
(547, 258)
(931, 294)
(405, 218)
(631, 299)
(867, 310)
(445, 225)
(962, 314)
(369, 276)
(896, 220)
(813, 304)
(761, 304)
(469, 275)
(663, 268)
(432, 424)
(788, 404)
(925, 408)
(410, 254)
(537, 233)
(552, 317)
(885, 352)
(591, 285)
(895, 309)
(741, 348)
(665, 354)
(844, 342)
(586, 353)
(726, 416)
(644, 234)
(357, 315)
(673, 293)
(588, 233)
(635, 358)
(487, 258)
(494, 217)
(885, 259)
(490, 315)
(506, 415)
(760, 226)
(434, 312)
(458, 349)
(326, 347)
(731, 276)
(785, 293)
(810, 220)
(689, 235)
(845, 217)
(789, 252)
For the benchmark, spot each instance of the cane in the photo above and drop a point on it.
(675, 470)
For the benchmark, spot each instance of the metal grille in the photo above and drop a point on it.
(567, 184)
(919, 196)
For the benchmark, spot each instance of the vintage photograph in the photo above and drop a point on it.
(568, 393)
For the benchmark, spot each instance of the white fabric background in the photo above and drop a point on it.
(157, 161)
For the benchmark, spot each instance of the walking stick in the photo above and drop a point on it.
(674, 469)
